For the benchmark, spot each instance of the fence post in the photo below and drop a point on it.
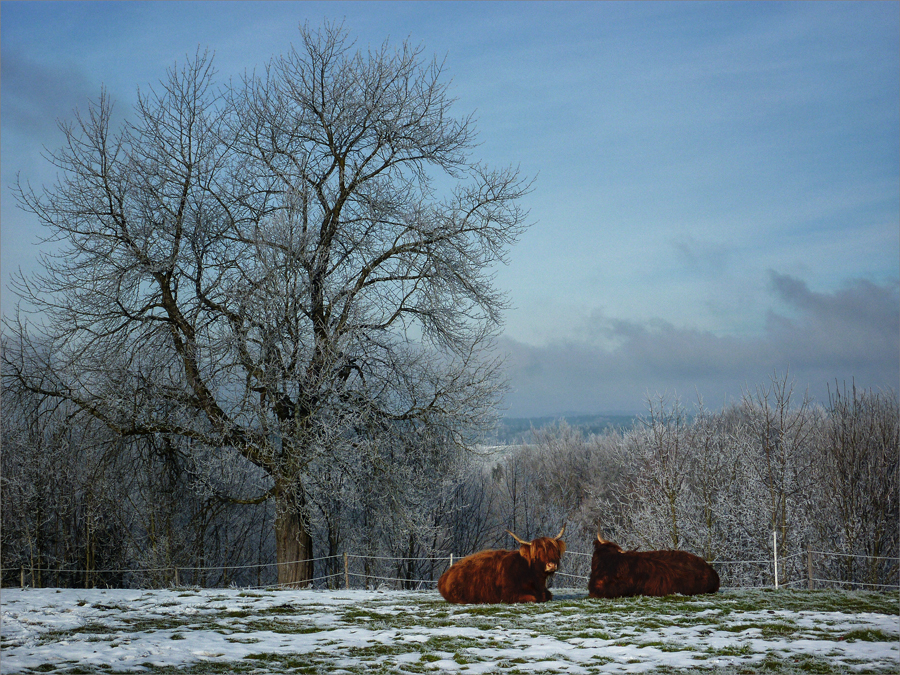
(176, 578)
(775, 554)
(346, 572)
(451, 560)
(22, 577)
(809, 571)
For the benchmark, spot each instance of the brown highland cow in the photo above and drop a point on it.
(616, 573)
(504, 576)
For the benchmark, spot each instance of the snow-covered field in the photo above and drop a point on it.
(202, 631)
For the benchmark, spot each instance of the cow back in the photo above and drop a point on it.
(616, 573)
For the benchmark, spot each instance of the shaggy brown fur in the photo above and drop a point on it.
(504, 576)
(616, 573)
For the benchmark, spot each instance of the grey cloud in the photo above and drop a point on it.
(853, 333)
(857, 327)
(876, 307)
(701, 256)
(35, 96)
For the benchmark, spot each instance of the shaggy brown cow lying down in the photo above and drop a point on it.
(616, 573)
(504, 576)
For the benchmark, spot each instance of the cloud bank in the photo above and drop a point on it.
(852, 334)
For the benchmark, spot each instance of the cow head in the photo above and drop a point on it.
(602, 542)
(544, 552)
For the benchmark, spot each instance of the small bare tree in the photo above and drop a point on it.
(782, 457)
(860, 483)
(271, 269)
(659, 488)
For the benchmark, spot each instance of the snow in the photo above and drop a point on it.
(416, 631)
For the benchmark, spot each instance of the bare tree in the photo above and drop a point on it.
(269, 269)
(782, 457)
(860, 483)
(466, 508)
(658, 490)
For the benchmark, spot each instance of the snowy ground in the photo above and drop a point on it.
(202, 631)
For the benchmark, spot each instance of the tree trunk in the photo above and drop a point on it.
(293, 542)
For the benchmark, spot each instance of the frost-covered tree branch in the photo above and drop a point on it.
(274, 269)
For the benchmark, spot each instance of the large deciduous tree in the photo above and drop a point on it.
(295, 268)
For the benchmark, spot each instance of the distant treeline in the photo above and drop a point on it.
(81, 507)
(518, 430)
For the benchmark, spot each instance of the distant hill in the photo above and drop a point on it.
(517, 430)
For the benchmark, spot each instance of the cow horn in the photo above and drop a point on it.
(601, 539)
(524, 543)
(560, 532)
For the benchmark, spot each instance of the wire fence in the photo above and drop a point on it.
(799, 570)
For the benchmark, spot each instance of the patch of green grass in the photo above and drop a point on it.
(90, 629)
(242, 640)
(286, 608)
(742, 650)
(205, 668)
(778, 629)
(869, 635)
(107, 608)
(276, 626)
(808, 664)
(136, 625)
(666, 646)
(373, 659)
(772, 663)
(363, 615)
(590, 635)
(739, 627)
(848, 602)
(265, 657)
(447, 643)
(488, 610)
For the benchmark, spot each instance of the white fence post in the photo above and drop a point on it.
(809, 571)
(775, 553)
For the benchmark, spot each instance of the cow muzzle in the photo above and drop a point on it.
(551, 568)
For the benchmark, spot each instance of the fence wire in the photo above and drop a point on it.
(371, 571)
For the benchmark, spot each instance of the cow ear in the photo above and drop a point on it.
(525, 551)
(562, 547)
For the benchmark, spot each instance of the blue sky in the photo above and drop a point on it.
(717, 192)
